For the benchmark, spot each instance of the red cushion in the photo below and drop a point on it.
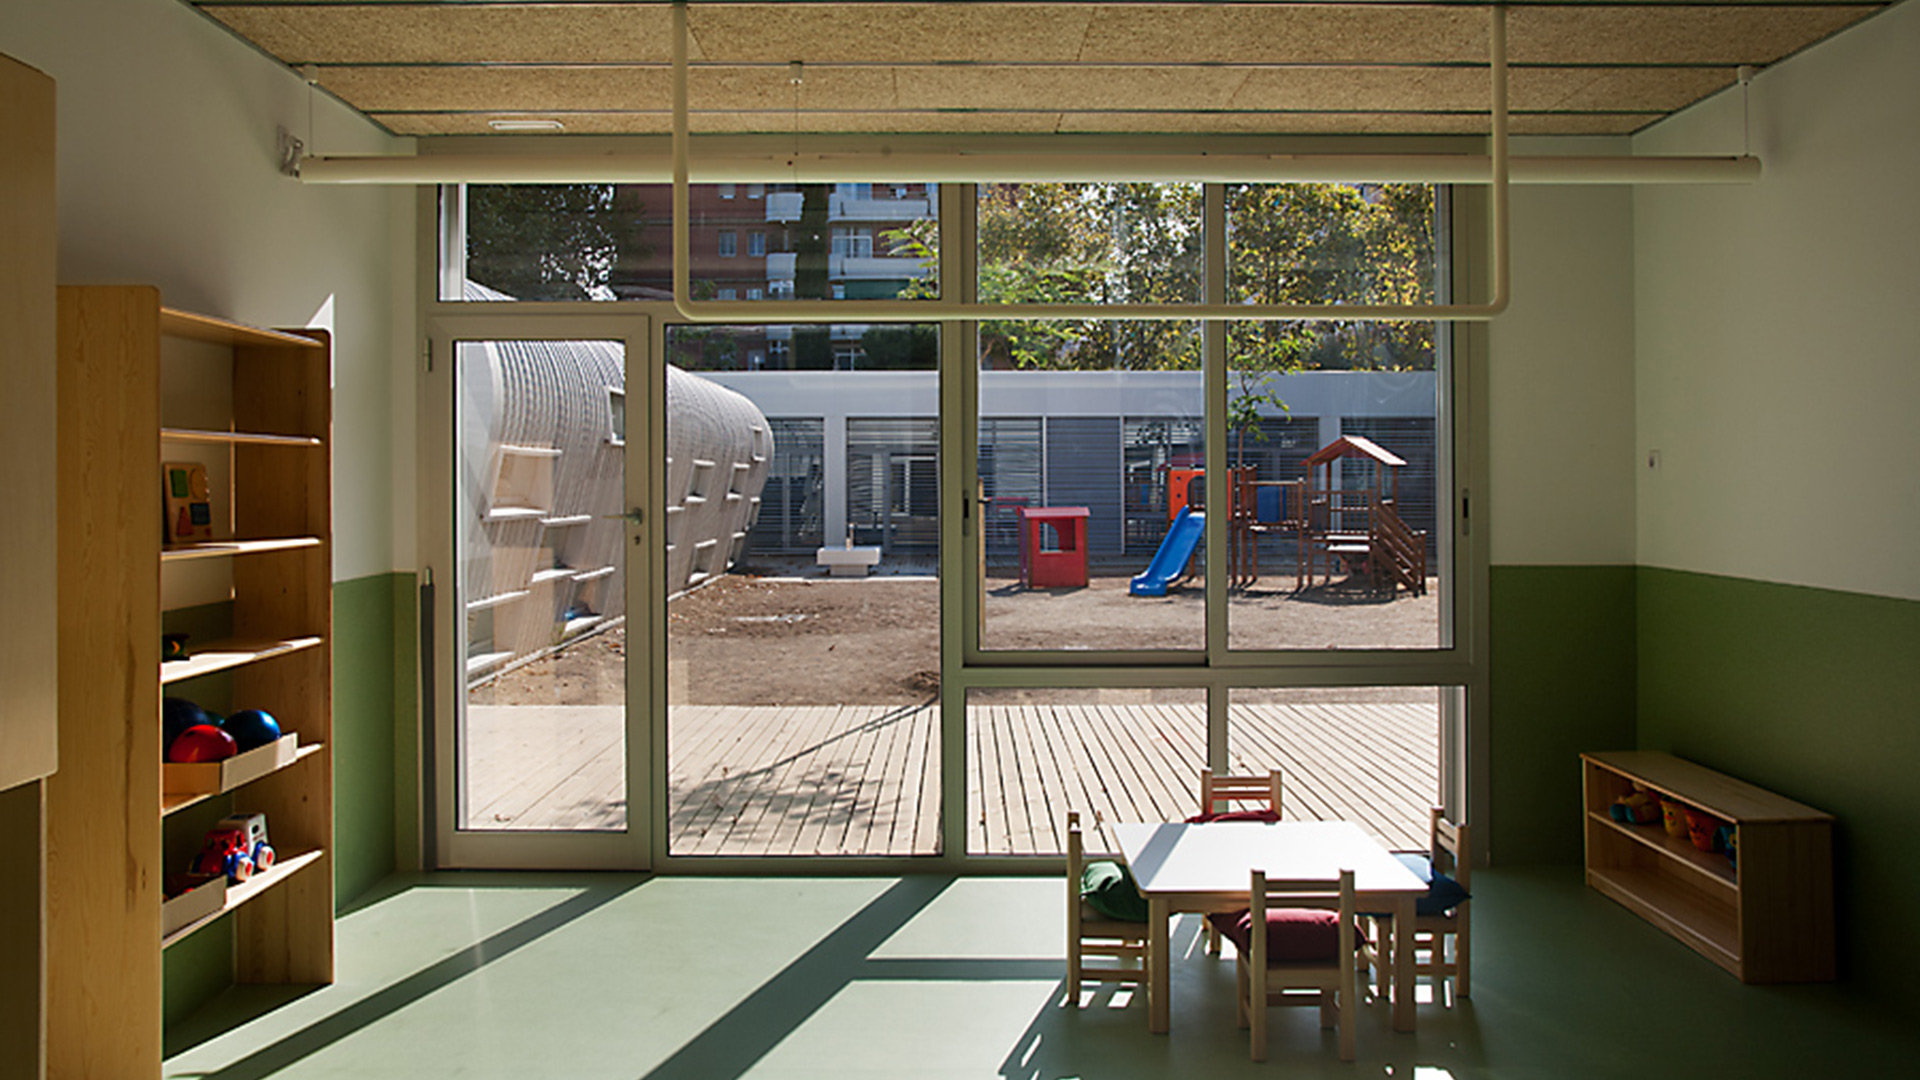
(1236, 815)
(1294, 935)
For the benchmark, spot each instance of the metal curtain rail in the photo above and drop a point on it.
(823, 311)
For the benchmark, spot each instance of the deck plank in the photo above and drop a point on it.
(857, 780)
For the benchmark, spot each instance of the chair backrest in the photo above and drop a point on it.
(1262, 788)
(1336, 893)
(1452, 847)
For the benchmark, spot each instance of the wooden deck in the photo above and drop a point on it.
(864, 779)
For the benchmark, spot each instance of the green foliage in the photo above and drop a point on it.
(901, 347)
(1330, 243)
(547, 241)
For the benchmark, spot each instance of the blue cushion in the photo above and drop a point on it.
(1109, 889)
(1443, 893)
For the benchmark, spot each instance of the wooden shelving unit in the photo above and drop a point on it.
(140, 384)
(1767, 919)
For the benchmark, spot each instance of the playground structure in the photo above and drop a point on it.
(1359, 528)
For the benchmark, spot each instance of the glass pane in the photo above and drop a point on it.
(1091, 520)
(1334, 437)
(541, 739)
(1369, 755)
(1089, 243)
(747, 242)
(1113, 755)
(803, 626)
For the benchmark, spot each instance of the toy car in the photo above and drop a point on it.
(254, 827)
(225, 852)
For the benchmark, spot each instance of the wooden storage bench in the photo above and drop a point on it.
(1768, 920)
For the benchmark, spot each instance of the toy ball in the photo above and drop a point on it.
(251, 728)
(201, 743)
(176, 716)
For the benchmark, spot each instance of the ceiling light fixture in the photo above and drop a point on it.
(525, 123)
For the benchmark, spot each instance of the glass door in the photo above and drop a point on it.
(539, 746)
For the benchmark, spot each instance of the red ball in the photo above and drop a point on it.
(202, 742)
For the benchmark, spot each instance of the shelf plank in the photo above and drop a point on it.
(170, 802)
(222, 655)
(1712, 867)
(1718, 794)
(249, 438)
(186, 324)
(216, 549)
(1707, 929)
(283, 868)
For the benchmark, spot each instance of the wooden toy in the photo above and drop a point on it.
(189, 502)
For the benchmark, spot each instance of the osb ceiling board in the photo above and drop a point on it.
(445, 66)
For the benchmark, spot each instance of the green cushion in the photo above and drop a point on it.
(1108, 888)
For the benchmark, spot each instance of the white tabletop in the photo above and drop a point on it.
(1217, 857)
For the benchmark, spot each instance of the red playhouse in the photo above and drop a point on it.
(1063, 566)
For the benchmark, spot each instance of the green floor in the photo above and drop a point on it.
(601, 976)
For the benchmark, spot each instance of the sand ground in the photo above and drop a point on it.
(746, 639)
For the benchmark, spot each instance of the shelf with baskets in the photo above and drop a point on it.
(244, 552)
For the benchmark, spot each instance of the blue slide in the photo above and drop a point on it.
(1170, 561)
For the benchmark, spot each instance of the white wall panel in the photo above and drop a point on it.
(168, 176)
(1779, 327)
(1560, 399)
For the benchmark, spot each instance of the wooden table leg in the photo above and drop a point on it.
(1157, 978)
(1403, 964)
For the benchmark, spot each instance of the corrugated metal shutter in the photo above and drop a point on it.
(791, 503)
(1011, 476)
(1083, 455)
(1412, 438)
(1281, 455)
(893, 485)
(1150, 445)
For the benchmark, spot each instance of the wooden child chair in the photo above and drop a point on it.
(1285, 946)
(1442, 921)
(1218, 798)
(1113, 933)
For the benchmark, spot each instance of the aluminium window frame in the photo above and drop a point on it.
(1461, 664)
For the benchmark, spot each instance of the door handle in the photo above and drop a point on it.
(635, 516)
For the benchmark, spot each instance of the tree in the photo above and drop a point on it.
(545, 241)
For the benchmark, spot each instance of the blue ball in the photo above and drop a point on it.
(251, 728)
(176, 716)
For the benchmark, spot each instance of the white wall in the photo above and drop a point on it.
(1560, 368)
(1779, 326)
(168, 176)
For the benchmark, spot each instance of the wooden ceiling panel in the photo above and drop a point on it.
(1662, 34)
(631, 89)
(1093, 87)
(1373, 65)
(889, 33)
(456, 33)
(1286, 33)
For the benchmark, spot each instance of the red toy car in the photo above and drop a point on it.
(226, 852)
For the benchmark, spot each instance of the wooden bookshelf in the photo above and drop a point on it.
(1767, 918)
(258, 410)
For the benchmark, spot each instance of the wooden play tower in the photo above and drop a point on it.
(1359, 528)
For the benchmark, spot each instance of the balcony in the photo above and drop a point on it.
(872, 267)
(851, 208)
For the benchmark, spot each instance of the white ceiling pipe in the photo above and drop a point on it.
(825, 311)
(999, 166)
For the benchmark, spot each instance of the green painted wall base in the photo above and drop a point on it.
(372, 658)
(22, 849)
(1561, 675)
(1812, 694)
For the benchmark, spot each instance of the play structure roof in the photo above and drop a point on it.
(1354, 446)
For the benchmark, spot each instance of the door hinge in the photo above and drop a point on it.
(426, 355)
